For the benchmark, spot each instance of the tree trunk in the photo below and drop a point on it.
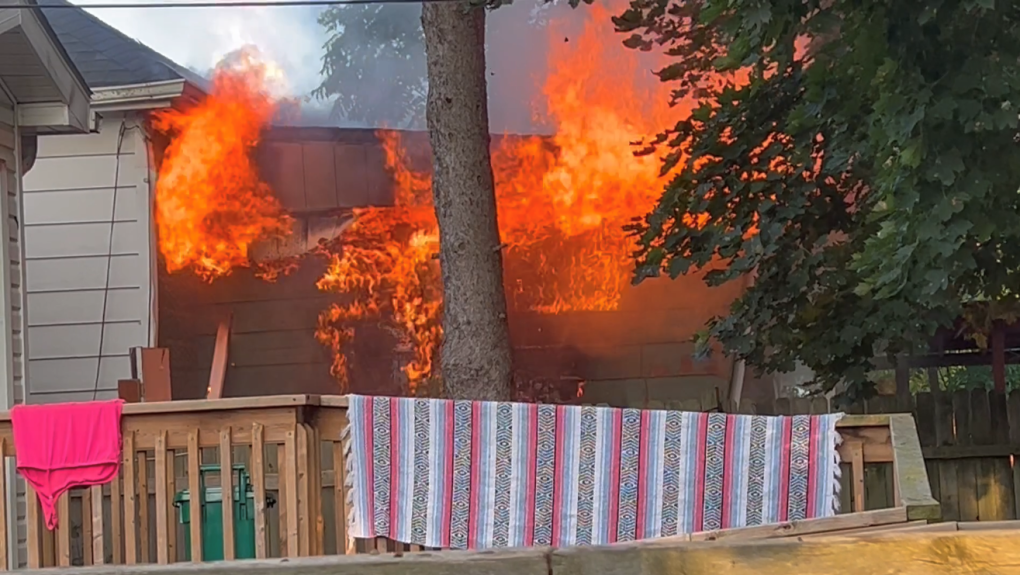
(476, 355)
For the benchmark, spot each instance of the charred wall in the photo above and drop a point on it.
(638, 355)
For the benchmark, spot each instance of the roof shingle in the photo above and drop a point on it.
(106, 57)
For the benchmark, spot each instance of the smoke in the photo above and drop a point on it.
(200, 37)
(293, 39)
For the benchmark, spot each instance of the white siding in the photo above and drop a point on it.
(11, 365)
(12, 360)
(79, 191)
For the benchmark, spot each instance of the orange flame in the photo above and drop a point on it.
(563, 202)
(210, 203)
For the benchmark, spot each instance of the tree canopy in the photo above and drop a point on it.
(374, 65)
(858, 157)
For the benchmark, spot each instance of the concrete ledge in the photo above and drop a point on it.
(901, 553)
(504, 562)
(990, 552)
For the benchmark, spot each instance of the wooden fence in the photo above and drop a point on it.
(290, 445)
(970, 440)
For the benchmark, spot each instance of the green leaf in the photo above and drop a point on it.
(896, 204)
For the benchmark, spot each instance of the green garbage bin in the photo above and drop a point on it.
(212, 515)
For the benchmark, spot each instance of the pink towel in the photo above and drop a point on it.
(65, 445)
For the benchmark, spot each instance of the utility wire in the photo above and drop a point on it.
(207, 4)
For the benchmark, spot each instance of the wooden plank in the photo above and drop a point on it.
(1013, 410)
(801, 405)
(819, 405)
(846, 497)
(86, 526)
(340, 499)
(909, 472)
(807, 526)
(907, 553)
(143, 507)
(117, 519)
(281, 505)
(63, 533)
(314, 480)
(156, 383)
(961, 407)
(195, 495)
(988, 500)
(227, 490)
(171, 511)
(945, 436)
(221, 351)
(909, 526)
(857, 473)
(967, 485)
(289, 469)
(965, 359)
(162, 501)
(878, 480)
(258, 483)
(966, 478)
(997, 471)
(958, 452)
(999, 357)
(304, 501)
(33, 539)
(130, 500)
(986, 525)
(924, 415)
(98, 542)
(980, 426)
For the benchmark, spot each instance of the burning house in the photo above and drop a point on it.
(314, 250)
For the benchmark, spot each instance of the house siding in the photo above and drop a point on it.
(70, 196)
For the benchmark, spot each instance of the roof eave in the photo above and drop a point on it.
(148, 96)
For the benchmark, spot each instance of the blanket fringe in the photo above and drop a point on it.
(837, 440)
(346, 440)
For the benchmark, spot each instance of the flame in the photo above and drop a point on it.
(563, 203)
(563, 200)
(210, 203)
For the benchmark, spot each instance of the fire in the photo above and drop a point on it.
(210, 203)
(563, 203)
(386, 263)
(563, 200)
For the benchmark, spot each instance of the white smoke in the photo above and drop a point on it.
(200, 37)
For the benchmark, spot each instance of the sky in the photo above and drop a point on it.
(291, 38)
(199, 37)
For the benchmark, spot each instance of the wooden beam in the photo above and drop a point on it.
(218, 373)
(156, 383)
(961, 359)
(910, 476)
(893, 516)
(129, 390)
(904, 553)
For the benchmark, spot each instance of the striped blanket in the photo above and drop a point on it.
(472, 475)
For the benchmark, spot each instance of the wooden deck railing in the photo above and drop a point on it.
(290, 447)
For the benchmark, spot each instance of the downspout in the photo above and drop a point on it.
(10, 465)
